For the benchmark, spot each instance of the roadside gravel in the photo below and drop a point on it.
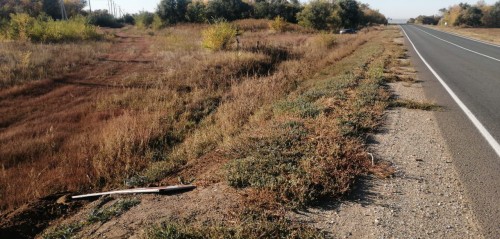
(423, 199)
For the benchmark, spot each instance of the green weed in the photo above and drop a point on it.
(219, 36)
(118, 208)
(45, 29)
(64, 231)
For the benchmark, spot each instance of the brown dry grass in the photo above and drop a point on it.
(24, 61)
(153, 105)
(484, 34)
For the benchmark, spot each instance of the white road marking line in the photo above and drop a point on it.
(481, 54)
(465, 37)
(493, 143)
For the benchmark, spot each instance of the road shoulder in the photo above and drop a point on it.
(423, 199)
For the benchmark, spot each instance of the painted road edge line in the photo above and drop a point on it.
(467, 49)
(493, 143)
(463, 36)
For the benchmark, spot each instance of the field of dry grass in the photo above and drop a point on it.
(283, 117)
(484, 34)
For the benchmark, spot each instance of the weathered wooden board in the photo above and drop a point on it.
(139, 190)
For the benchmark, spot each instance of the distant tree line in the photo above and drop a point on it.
(465, 15)
(36, 7)
(318, 14)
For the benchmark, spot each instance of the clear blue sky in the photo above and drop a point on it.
(396, 9)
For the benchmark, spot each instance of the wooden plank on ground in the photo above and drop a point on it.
(138, 190)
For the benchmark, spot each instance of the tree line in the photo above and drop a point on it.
(464, 15)
(317, 14)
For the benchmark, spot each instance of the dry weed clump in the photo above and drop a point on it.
(324, 40)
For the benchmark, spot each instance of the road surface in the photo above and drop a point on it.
(463, 75)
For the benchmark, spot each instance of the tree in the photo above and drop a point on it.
(349, 13)
(172, 11)
(370, 16)
(491, 16)
(470, 16)
(271, 9)
(73, 7)
(196, 12)
(30, 7)
(428, 20)
(318, 14)
(103, 18)
(227, 9)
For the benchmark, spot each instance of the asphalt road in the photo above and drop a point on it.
(464, 76)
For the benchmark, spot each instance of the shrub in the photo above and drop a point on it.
(279, 24)
(324, 40)
(144, 20)
(103, 19)
(127, 19)
(20, 26)
(219, 36)
(45, 29)
(157, 23)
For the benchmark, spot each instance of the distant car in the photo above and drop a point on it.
(347, 31)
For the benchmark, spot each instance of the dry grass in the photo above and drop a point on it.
(484, 34)
(23, 61)
(160, 101)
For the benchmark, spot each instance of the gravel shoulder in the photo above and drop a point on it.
(423, 199)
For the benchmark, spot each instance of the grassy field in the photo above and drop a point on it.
(483, 34)
(281, 116)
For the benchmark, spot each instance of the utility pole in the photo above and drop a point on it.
(109, 7)
(90, 7)
(64, 16)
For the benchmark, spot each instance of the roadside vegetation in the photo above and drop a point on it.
(464, 15)
(281, 109)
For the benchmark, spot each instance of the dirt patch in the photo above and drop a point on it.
(204, 204)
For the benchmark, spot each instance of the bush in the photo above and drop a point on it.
(103, 19)
(318, 14)
(45, 29)
(279, 24)
(324, 41)
(157, 23)
(219, 36)
(144, 20)
(196, 12)
(127, 19)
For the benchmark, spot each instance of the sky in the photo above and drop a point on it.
(395, 9)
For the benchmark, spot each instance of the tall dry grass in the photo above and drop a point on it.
(21, 62)
(144, 125)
